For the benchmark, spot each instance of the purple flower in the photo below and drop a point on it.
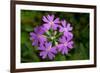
(39, 30)
(47, 51)
(66, 28)
(44, 35)
(64, 45)
(51, 22)
(37, 36)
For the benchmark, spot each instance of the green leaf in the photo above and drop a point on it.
(60, 57)
(32, 52)
(83, 51)
(27, 28)
(24, 37)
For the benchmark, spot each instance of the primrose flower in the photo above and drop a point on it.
(64, 45)
(37, 36)
(50, 41)
(66, 28)
(47, 51)
(50, 22)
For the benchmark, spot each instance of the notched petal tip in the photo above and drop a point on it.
(45, 19)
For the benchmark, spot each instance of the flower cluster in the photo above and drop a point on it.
(53, 37)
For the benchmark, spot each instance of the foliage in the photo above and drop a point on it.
(80, 23)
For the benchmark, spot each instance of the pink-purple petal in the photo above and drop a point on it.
(53, 50)
(50, 55)
(61, 29)
(62, 39)
(47, 26)
(55, 26)
(69, 27)
(69, 35)
(41, 47)
(56, 20)
(48, 44)
(35, 43)
(50, 18)
(45, 19)
(32, 34)
(65, 50)
(70, 44)
(44, 54)
(63, 23)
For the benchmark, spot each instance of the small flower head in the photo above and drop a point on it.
(50, 22)
(66, 28)
(51, 40)
(64, 45)
(37, 36)
(47, 51)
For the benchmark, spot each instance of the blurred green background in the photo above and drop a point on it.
(80, 23)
